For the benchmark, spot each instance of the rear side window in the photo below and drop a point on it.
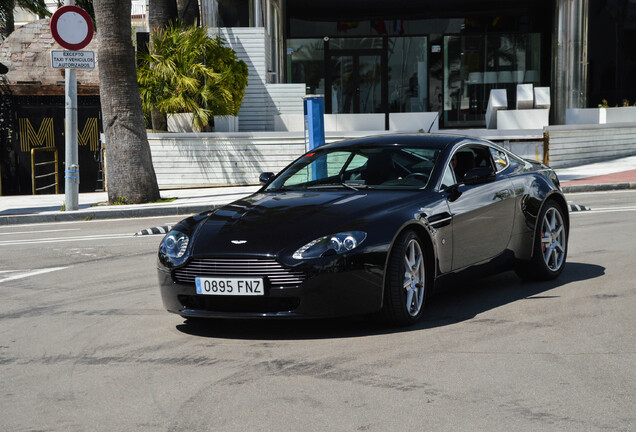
(500, 158)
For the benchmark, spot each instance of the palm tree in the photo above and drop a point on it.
(7, 9)
(187, 71)
(130, 173)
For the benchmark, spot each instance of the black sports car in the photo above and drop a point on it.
(364, 226)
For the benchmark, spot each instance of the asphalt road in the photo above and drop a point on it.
(85, 345)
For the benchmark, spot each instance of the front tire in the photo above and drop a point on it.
(549, 247)
(406, 281)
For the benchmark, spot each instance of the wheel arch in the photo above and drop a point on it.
(427, 244)
(560, 200)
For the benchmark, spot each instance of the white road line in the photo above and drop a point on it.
(65, 239)
(93, 221)
(29, 273)
(38, 232)
(608, 210)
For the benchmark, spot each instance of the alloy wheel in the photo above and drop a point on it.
(553, 239)
(414, 277)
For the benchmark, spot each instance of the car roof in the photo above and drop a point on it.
(436, 141)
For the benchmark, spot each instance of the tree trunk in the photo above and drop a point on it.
(131, 176)
(160, 13)
(188, 11)
(9, 19)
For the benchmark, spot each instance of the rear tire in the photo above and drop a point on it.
(550, 246)
(406, 281)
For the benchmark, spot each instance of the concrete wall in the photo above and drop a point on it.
(582, 144)
(220, 159)
(200, 160)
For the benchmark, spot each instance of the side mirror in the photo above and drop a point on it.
(479, 175)
(266, 177)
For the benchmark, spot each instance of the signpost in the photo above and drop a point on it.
(72, 28)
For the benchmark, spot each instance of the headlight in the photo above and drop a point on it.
(331, 245)
(173, 248)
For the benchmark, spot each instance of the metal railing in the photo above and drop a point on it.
(54, 173)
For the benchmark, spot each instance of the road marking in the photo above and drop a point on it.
(154, 231)
(38, 232)
(25, 274)
(65, 239)
(93, 221)
(575, 208)
(611, 210)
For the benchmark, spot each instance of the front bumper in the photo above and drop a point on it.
(332, 288)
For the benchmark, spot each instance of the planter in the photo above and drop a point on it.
(600, 115)
(181, 122)
(226, 123)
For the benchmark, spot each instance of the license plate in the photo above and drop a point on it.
(230, 286)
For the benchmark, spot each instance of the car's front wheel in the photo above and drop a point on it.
(406, 281)
(550, 245)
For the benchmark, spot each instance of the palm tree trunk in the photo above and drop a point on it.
(131, 175)
(160, 13)
(188, 11)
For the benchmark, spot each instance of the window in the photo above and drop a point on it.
(475, 64)
(469, 157)
(449, 177)
(374, 167)
(500, 158)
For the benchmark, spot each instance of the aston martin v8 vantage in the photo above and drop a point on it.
(365, 226)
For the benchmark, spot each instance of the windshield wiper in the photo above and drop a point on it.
(329, 185)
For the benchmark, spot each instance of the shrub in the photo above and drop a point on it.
(186, 70)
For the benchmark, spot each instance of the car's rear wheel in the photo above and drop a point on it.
(550, 246)
(406, 281)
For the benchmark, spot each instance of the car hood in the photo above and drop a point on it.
(269, 223)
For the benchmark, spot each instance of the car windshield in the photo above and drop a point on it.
(356, 168)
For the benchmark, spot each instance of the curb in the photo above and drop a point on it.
(123, 213)
(601, 187)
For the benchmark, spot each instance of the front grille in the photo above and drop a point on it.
(277, 275)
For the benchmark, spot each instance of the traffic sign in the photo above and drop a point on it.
(72, 27)
(72, 59)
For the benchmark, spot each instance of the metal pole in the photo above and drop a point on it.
(570, 78)
(257, 20)
(71, 170)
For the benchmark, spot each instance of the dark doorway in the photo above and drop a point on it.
(39, 124)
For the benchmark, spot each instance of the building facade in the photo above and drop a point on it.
(381, 56)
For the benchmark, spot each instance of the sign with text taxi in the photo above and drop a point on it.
(61, 59)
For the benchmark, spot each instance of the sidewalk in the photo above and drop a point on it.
(612, 175)
(22, 209)
(618, 174)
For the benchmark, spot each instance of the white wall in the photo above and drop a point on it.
(583, 144)
(218, 159)
(262, 100)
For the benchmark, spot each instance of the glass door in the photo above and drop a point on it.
(475, 64)
(354, 83)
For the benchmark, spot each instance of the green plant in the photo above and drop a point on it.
(120, 201)
(605, 104)
(187, 71)
(63, 208)
(164, 200)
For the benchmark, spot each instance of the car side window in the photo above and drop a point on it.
(500, 158)
(469, 157)
(449, 177)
